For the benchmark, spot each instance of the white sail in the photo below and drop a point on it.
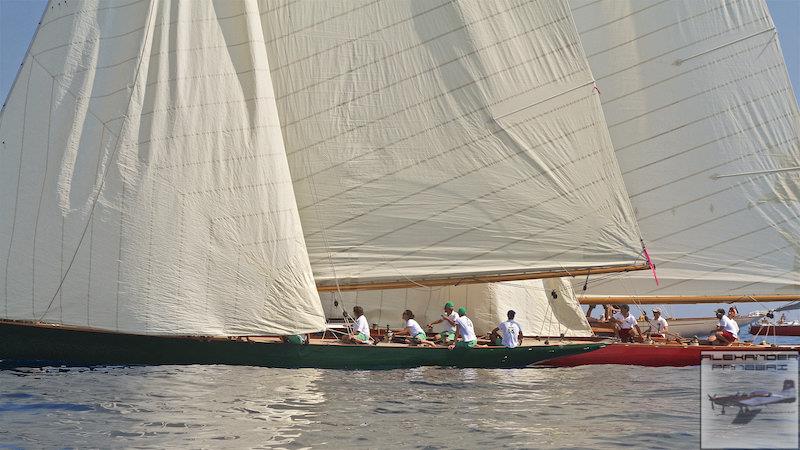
(705, 128)
(538, 312)
(445, 139)
(143, 177)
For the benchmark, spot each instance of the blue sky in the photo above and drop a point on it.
(18, 20)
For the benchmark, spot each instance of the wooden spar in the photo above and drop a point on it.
(683, 299)
(474, 279)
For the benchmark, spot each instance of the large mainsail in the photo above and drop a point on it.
(705, 127)
(445, 139)
(143, 176)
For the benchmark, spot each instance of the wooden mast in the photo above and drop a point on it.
(683, 299)
(328, 286)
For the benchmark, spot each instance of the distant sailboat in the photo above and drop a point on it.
(180, 175)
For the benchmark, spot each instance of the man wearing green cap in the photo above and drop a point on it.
(448, 334)
(464, 330)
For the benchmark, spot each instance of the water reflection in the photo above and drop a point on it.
(234, 407)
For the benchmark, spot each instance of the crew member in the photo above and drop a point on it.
(625, 324)
(416, 335)
(727, 330)
(360, 328)
(508, 333)
(448, 334)
(465, 332)
(659, 326)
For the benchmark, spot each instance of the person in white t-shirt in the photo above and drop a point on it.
(360, 333)
(625, 324)
(659, 326)
(727, 330)
(416, 335)
(448, 333)
(465, 331)
(508, 333)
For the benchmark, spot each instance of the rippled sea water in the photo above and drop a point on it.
(219, 406)
(249, 407)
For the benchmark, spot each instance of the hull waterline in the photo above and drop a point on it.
(654, 355)
(28, 344)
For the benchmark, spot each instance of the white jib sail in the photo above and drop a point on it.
(143, 176)
(445, 138)
(705, 127)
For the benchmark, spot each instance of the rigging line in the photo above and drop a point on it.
(337, 296)
(455, 283)
(114, 152)
(549, 314)
(756, 301)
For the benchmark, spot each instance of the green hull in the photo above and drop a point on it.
(23, 345)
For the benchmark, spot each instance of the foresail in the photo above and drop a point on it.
(143, 176)
(705, 127)
(444, 139)
(537, 311)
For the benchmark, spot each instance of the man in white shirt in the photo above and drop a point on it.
(509, 333)
(659, 326)
(448, 333)
(625, 324)
(727, 330)
(465, 332)
(360, 328)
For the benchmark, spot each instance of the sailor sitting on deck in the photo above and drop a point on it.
(625, 324)
(449, 317)
(659, 326)
(727, 330)
(509, 333)
(412, 329)
(360, 328)
(465, 332)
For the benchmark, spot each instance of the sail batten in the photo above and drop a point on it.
(430, 141)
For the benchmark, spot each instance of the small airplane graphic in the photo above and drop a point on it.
(753, 399)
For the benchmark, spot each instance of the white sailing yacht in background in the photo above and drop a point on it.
(179, 174)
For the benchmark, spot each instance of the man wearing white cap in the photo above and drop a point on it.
(659, 326)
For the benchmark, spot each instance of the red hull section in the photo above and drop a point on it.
(775, 330)
(651, 355)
